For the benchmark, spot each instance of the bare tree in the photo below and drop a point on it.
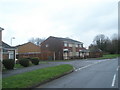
(107, 45)
(32, 40)
(39, 40)
(36, 41)
(101, 41)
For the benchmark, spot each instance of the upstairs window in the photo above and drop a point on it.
(70, 45)
(81, 45)
(65, 44)
(76, 45)
(46, 45)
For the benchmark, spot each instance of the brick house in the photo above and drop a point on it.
(28, 50)
(62, 48)
(8, 51)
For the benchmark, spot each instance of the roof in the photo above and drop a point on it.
(67, 39)
(95, 50)
(1, 29)
(23, 44)
(5, 45)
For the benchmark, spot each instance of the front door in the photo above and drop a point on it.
(65, 55)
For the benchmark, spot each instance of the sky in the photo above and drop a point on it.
(80, 20)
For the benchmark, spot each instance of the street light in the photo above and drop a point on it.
(12, 39)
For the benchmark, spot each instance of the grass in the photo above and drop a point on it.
(109, 56)
(58, 60)
(28, 79)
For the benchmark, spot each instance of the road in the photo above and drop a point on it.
(101, 74)
(75, 63)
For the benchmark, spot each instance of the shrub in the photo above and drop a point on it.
(35, 61)
(24, 62)
(9, 63)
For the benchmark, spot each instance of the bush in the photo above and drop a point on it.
(24, 62)
(35, 61)
(9, 63)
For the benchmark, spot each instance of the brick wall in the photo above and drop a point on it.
(28, 47)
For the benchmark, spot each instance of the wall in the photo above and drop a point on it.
(54, 48)
(28, 50)
(29, 47)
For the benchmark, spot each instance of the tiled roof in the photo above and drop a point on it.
(5, 45)
(67, 39)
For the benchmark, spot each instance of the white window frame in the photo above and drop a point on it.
(70, 45)
(76, 45)
(65, 44)
(11, 55)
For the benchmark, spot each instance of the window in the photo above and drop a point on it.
(70, 45)
(81, 45)
(76, 45)
(65, 44)
(77, 53)
(46, 45)
(11, 55)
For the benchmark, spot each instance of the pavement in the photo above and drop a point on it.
(99, 74)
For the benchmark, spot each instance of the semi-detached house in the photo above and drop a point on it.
(62, 48)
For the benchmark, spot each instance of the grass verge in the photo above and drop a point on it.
(109, 56)
(35, 77)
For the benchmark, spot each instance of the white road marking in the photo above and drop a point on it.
(118, 68)
(89, 65)
(113, 82)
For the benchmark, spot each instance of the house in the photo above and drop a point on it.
(28, 50)
(62, 48)
(8, 51)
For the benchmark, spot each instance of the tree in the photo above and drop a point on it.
(106, 44)
(101, 41)
(36, 41)
(114, 43)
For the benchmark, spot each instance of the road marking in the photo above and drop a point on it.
(85, 66)
(117, 68)
(113, 82)
(89, 65)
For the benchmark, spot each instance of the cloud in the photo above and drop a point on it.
(77, 19)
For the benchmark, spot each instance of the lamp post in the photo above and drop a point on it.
(12, 39)
(1, 44)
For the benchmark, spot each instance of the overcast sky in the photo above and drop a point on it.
(80, 20)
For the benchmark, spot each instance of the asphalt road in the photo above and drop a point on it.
(101, 74)
(75, 63)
